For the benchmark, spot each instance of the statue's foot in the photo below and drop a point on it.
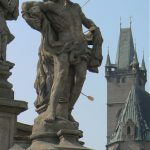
(50, 118)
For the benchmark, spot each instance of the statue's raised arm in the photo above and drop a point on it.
(95, 38)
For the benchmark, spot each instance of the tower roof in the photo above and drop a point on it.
(143, 66)
(125, 50)
(137, 110)
(108, 62)
(135, 55)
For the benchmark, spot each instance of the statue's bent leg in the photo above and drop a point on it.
(80, 76)
(60, 80)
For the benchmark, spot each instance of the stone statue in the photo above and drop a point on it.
(8, 11)
(64, 58)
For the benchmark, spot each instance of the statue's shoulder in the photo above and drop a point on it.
(76, 5)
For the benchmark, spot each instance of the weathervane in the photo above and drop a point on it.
(108, 49)
(120, 22)
(130, 21)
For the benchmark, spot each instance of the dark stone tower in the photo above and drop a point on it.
(121, 77)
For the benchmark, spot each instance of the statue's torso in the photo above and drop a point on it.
(68, 25)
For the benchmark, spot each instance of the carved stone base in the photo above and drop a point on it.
(58, 135)
(73, 148)
(69, 140)
(9, 109)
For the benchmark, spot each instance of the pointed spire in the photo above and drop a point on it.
(143, 66)
(130, 22)
(135, 58)
(120, 22)
(125, 51)
(108, 62)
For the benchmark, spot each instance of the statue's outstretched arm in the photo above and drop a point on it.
(97, 40)
(29, 9)
(34, 23)
(88, 23)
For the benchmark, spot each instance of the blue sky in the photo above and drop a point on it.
(23, 51)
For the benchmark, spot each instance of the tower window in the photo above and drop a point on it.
(128, 130)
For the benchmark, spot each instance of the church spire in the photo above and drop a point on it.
(135, 55)
(143, 66)
(125, 52)
(108, 62)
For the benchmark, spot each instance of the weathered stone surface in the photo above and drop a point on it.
(6, 87)
(22, 136)
(7, 124)
(12, 106)
(9, 108)
(9, 11)
(56, 135)
(21, 142)
(17, 147)
(23, 129)
(64, 58)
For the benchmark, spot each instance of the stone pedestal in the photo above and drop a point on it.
(22, 137)
(9, 108)
(58, 135)
(6, 91)
(69, 140)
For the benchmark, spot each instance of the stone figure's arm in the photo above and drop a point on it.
(51, 7)
(33, 23)
(97, 40)
(28, 9)
(88, 23)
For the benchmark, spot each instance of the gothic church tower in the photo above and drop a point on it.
(125, 92)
